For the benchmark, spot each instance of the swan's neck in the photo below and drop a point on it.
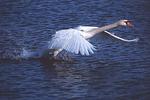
(104, 28)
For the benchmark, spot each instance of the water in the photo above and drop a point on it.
(118, 70)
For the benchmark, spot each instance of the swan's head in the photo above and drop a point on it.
(125, 23)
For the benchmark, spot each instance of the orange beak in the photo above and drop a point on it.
(129, 23)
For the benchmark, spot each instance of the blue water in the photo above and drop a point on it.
(117, 70)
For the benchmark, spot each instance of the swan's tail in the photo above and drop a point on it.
(122, 39)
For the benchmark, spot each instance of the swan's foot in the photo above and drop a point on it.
(55, 55)
(56, 52)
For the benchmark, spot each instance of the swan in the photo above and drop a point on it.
(75, 40)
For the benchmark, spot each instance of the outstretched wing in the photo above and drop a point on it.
(122, 39)
(71, 40)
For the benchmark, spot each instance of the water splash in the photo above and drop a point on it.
(26, 54)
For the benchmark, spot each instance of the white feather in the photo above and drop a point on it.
(71, 40)
(122, 39)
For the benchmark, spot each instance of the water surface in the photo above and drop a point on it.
(118, 70)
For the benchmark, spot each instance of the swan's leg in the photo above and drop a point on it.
(56, 52)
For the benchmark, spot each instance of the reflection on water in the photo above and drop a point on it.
(117, 70)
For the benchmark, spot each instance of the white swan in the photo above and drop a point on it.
(74, 40)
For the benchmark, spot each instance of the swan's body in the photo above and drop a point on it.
(75, 39)
(84, 31)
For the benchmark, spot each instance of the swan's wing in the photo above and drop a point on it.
(59, 39)
(85, 28)
(122, 39)
(71, 40)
